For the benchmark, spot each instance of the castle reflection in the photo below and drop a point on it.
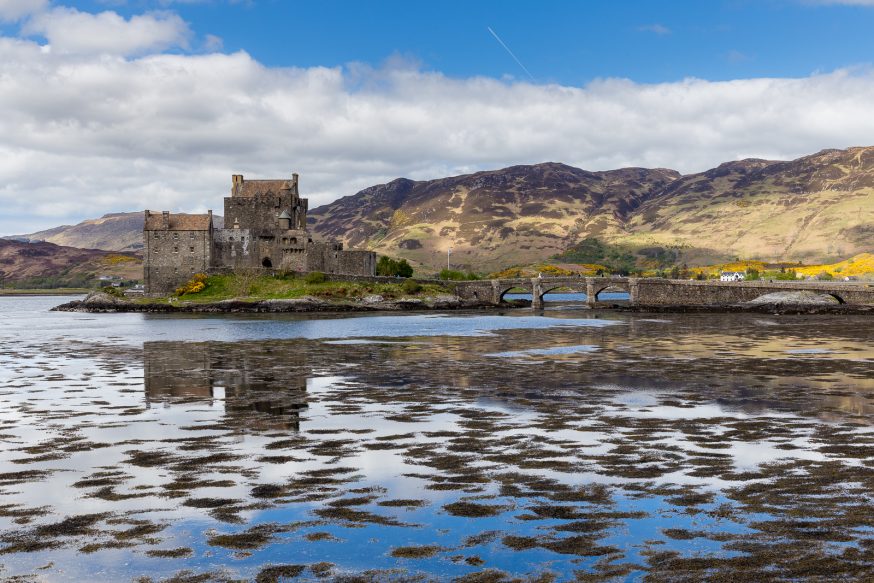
(262, 387)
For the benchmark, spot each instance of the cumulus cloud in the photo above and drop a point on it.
(85, 134)
(68, 30)
(12, 10)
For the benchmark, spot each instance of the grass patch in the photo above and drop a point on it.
(284, 287)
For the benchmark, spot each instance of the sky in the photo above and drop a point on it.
(121, 105)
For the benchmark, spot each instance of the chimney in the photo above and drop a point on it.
(209, 213)
(147, 214)
(294, 179)
(236, 183)
(165, 216)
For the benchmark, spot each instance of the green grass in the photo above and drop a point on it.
(225, 287)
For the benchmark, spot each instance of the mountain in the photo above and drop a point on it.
(816, 209)
(819, 208)
(112, 232)
(50, 265)
(490, 219)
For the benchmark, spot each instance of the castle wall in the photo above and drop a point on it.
(170, 258)
(331, 258)
(266, 227)
(233, 248)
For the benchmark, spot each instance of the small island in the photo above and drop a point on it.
(258, 292)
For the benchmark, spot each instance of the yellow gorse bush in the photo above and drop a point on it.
(196, 284)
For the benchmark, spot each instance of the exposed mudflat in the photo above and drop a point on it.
(572, 446)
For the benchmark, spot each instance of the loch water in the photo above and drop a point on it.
(563, 444)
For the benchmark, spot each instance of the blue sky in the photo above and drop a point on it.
(119, 105)
(566, 42)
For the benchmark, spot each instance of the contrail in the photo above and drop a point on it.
(506, 48)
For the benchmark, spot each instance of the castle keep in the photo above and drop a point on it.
(265, 227)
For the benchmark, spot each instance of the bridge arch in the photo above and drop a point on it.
(504, 290)
(837, 297)
(599, 288)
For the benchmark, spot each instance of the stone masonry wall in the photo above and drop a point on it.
(170, 258)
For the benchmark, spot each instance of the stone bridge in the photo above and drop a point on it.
(493, 290)
(660, 292)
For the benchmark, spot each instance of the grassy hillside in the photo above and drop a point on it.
(46, 265)
(490, 220)
(816, 209)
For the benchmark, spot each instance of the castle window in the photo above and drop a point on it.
(157, 235)
(191, 249)
(175, 249)
(192, 234)
(231, 239)
(176, 235)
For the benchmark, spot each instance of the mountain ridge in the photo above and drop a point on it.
(816, 208)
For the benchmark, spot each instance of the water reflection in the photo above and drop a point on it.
(672, 447)
(242, 377)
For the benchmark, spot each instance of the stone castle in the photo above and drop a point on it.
(265, 227)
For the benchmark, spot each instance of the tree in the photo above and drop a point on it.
(752, 274)
(387, 266)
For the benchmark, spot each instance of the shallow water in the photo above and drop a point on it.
(489, 446)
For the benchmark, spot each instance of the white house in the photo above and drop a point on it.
(732, 276)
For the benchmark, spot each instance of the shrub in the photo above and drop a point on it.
(315, 277)
(411, 286)
(454, 275)
(113, 291)
(196, 284)
(387, 266)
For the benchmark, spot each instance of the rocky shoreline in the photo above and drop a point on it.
(789, 303)
(99, 302)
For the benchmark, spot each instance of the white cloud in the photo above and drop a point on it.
(659, 29)
(12, 10)
(68, 30)
(86, 134)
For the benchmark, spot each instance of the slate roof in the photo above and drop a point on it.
(252, 188)
(178, 222)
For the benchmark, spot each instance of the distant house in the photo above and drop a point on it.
(851, 278)
(732, 276)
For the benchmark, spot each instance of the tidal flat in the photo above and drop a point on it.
(559, 445)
